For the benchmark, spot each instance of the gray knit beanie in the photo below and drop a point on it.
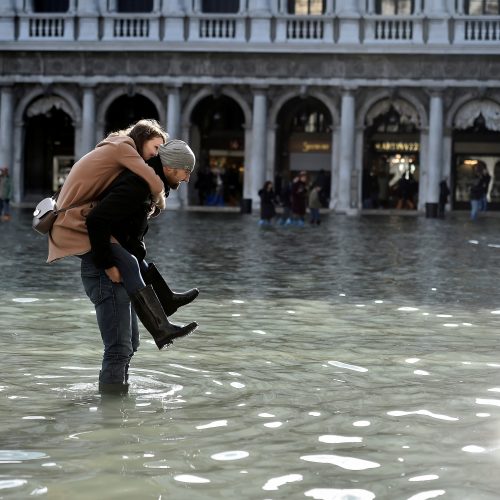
(177, 154)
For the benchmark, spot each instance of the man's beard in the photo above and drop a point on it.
(173, 184)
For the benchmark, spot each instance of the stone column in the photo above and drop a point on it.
(247, 161)
(197, 6)
(371, 7)
(334, 168)
(259, 143)
(349, 21)
(173, 124)
(460, 8)
(88, 140)
(177, 198)
(259, 13)
(435, 158)
(87, 18)
(6, 128)
(17, 173)
(173, 14)
(270, 172)
(437, 15)
(7, 21)
(346, 160)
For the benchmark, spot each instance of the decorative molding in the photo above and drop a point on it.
(45, 104)
(406, 111)
(468, 113)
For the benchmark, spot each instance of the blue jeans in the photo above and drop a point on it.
(130, 268)
(484, 204)
(475, 206)
(315, 216)
(116, 319)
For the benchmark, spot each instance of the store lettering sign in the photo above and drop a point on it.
(309, 147)
(404, 147)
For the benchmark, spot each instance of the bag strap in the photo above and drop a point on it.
(74, 205)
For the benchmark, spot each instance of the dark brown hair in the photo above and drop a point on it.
(143, 131)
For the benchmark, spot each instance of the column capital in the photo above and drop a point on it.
(348, 90)
(172, 88)
(435, 91)
(259, 89)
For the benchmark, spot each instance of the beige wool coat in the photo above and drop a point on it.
(88, 178)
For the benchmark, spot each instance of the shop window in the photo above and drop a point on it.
(310, 122)
(482, 7)
(134, 6)
(306, 7)
(220, 6)
(50, 5)
(394, 7)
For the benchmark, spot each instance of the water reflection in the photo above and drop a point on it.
(360, 355)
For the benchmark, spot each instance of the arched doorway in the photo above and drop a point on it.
(48, 146)
(217, 123)
(126, 110)
(391, 165)
(304, 143)
(476, 149)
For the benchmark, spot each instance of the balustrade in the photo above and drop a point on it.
(281, 27)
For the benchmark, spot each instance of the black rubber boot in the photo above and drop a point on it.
(150, 311)
(116, 388)
(171, 301)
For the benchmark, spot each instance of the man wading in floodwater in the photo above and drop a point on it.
(122, 213)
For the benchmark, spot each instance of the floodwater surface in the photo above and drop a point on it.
(354, 360)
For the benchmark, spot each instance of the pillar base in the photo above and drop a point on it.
(246, 206)
(431, 210)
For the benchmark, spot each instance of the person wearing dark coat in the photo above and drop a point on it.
(267, 203)
(444, 192)
(299, 199)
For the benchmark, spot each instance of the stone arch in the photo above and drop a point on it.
(124, 90)
(206, 92)
(467, 113)
(320, 96)
(67, 102)
(457, 104)
(380, 102)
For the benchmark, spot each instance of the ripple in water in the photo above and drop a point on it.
(275, 482)
(230, 455)
(427, 413)
(336, 494)
(188, 478)
(349, 463)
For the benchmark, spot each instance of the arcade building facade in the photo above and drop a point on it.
(360, 93)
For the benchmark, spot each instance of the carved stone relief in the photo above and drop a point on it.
(45, 104)
(468, 113)
(408, 114)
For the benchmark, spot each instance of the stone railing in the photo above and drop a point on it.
(217, 27)
(393, 29)
(131, 27)
(327, 30)
(46, 27)
(484, 29)
(289, 28)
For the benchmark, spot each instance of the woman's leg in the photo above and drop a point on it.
(129, 269)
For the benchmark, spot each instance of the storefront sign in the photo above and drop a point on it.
(308, 147)
(402, 147)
